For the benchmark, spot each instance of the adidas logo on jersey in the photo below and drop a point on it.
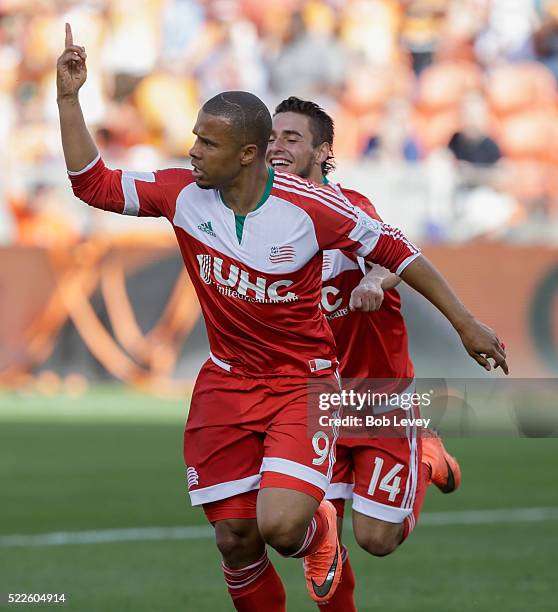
(207, 228)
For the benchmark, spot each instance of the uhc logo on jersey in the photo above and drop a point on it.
(282, 254)
(241, 284)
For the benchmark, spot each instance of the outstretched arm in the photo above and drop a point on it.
(342, 226)
(71, 73)
(479, 340)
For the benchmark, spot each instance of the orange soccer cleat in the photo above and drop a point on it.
(322, 569)
(445, 472)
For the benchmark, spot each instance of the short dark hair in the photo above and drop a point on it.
(248, 115)
(321, 124)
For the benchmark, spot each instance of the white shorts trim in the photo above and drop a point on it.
(296, 470)
(223, 490)
(412, 478)
(219, 362)
(88, 167)
(379, 511)
(340, 490)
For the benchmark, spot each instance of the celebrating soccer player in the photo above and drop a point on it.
(385, 476)
(252, 239)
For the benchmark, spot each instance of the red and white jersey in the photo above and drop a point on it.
(260, 295)
(369, 345)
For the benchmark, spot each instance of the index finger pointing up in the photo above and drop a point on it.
(69, 37)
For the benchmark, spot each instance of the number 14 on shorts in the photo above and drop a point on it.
(389, 483)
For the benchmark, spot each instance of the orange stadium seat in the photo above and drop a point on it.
(527, 139)
(442, 85)
(528, 182)
(517, 87)
(347, 134)
(528, 135)
(434, 130)
(552, 129)
(369, 88)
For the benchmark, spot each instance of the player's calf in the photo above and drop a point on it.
(252, 582)
(378, 538)
(297, 526)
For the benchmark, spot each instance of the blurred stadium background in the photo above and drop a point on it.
(446, 117)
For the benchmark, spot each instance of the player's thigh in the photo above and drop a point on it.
(299, 454)
(299, 448)
(386, 478)
(223, 451)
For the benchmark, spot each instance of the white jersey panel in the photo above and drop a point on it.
(278, 237)
(335, 262)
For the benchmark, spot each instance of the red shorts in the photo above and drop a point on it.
(243, 434)
(380, 475)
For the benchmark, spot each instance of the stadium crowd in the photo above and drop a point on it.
(461, 91)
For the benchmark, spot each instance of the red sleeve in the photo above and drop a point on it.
(357, 199)
(144, 194)
(364, 204)
(341, 225)
(391, 243)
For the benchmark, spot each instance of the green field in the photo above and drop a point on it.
(113, 459)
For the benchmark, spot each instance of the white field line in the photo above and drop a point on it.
(200, 532)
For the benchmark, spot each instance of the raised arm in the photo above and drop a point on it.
(144, 194)
(71, 73)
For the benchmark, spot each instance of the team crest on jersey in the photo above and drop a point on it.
(192, 477)
(282, 254)
(327, 263)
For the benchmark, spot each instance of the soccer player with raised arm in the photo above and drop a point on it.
(252, 240)
(370, 345)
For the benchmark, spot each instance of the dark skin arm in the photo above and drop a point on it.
(479, 341)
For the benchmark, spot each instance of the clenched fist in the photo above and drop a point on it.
(71, 71)
(368, 295)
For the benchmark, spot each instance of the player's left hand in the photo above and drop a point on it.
(367, 296)
(71, 68)
(483, 344)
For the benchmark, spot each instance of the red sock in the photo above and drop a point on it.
(410, 522)
(343, 599)
(256, 587)
(314, 535)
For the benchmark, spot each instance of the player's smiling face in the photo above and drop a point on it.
(291, 145)
(216, 153)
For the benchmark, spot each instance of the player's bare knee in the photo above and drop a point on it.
(284, 535)
(375, 544)
(238, 541)
(379, 541)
